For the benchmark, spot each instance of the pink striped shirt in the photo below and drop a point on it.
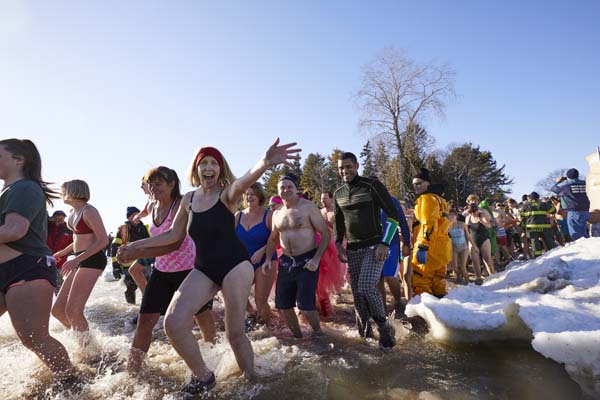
(181, 259)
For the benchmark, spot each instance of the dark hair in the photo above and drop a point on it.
(32, 163)
(347, 155)
(328, 193)
(164, 174)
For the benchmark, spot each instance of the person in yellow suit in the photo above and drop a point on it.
(432, 249)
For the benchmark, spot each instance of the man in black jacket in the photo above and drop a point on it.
(357, 204)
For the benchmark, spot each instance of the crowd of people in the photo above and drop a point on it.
(224, 237)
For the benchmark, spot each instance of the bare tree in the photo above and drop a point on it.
(544, 185)
(397, 94)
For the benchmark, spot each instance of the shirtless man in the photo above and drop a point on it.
(294, 228)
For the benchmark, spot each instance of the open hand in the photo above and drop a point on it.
(281, 154)
(67, 267)
(257, 256)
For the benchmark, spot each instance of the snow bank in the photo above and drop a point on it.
(554, 301)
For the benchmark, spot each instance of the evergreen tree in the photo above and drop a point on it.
(380, 160)
(468, 170)
(366, 154)
(270, 179)
(314, 175)
(331, 175)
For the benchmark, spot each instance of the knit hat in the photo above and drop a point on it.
(290, 177)
(534, 196)
(572, 173)
(132, 210)
(423, 175)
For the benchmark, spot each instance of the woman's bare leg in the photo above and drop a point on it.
(262, 289)
(60, 304)
(195, 291)
(136, 270)
(236, 289)
(206, 323)
(29, 306)
(82, 286)
(141, 340)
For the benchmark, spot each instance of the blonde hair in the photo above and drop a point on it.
(225, 178)
(258, 190)
(76, 190)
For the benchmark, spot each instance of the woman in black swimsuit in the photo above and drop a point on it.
(222, 262)
(479, 220)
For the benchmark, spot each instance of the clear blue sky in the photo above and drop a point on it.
(109, 89)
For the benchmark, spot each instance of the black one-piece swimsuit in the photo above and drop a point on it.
(218, 248)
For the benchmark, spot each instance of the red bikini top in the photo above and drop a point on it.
(81, 228)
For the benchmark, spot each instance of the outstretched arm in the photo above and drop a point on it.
(175, 234)
(276, 154)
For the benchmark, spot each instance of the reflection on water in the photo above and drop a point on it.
(337, 366)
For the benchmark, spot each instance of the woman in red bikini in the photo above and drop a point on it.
(86, 259)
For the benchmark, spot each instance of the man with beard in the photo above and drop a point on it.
(358, 203)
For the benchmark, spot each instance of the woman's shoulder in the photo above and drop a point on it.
(28, 185)
(89, 209)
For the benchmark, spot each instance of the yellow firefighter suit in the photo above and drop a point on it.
(430, 232)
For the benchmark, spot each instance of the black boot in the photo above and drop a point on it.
(196, 386)
(387, 338)
(365, 330)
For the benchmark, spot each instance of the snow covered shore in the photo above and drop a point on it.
(553, 301)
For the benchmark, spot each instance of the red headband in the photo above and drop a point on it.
(208, 151)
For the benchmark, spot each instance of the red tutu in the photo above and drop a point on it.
(332, 272)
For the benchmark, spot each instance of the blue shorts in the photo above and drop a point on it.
(390, 266)
(296, 285)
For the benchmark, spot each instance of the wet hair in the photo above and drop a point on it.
(225, 178)
(76, 190)
(32, 163)
(167, 175)
(259, 192)
(347, 155)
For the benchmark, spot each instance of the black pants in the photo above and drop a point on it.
(131, 287)
(539, 239)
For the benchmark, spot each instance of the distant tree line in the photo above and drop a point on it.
(462, 170)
